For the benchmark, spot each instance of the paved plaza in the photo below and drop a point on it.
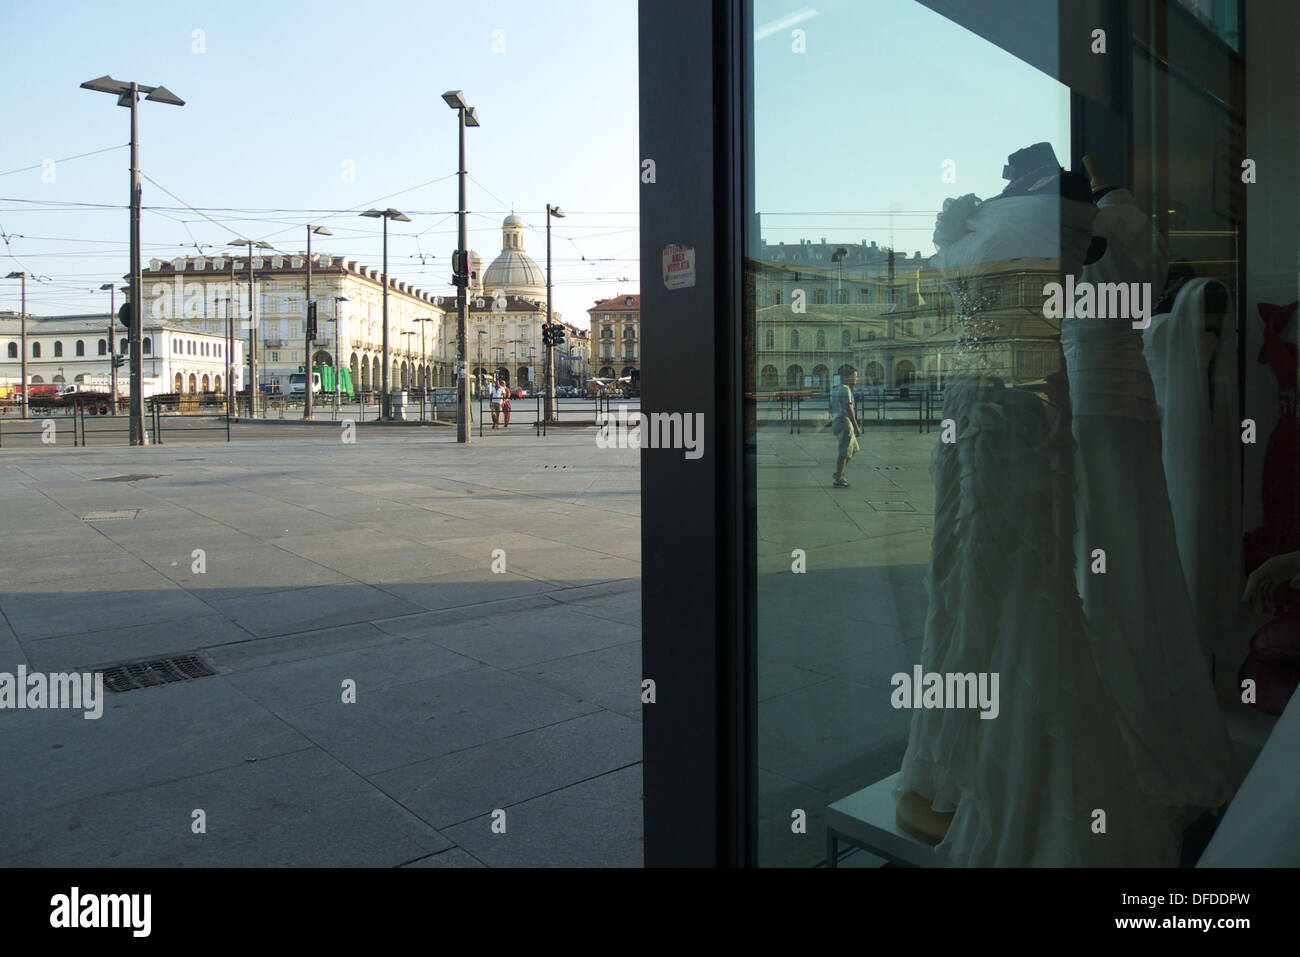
(483, 602)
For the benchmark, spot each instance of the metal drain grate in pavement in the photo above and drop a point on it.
(110, 515)
(162, 671)
(125, 478)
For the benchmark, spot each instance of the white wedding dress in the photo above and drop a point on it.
(1139, 610)
(1194, 371)
(1025, 788)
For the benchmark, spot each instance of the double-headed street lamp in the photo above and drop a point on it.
(22, 324)
(467, 116)
(550, 349)
(386, 399)
(309, 324)
(252, 321)
(127, 95)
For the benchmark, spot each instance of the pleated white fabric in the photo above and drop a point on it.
(1024, 786)
(1139, 610)
(1194, 371)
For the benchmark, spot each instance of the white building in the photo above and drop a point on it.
(67, 349)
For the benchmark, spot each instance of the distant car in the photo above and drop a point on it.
(518, 394)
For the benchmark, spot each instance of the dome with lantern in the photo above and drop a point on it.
(513, 271)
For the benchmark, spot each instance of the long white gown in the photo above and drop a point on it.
(1139, 611)
(1025, 787)
(1194, 371)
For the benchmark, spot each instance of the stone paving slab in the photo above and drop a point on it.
(474, 690)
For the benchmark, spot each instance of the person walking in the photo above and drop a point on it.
(498, 394)
(505, 408)
(844, 422)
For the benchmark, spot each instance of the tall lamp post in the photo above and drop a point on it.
(337, 383)
(112, 369)
(467, 116)
(386, 399)
(424, 369)
(22, 325)
(309, 332)
(252, 321)
(550, 349)
(127, 95)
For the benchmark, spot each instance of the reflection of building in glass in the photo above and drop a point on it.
(899, 322)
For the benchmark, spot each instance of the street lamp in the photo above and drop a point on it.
(22, 324)
(112, 308)
(550, 349)
(337, 384)
(424, 370)
(466, 116)
(127, 95)
(386, 214)
(252, 321)
(308, 324)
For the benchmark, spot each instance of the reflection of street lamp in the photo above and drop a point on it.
(386, 214)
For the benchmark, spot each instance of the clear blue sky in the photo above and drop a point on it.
(284, 95)
(885, 91)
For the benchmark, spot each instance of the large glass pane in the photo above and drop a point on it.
(974, 625)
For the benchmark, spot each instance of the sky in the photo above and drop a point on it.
(883, 93)
(301, 113)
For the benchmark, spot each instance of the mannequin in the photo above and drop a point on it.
(1128, 569)
(1021, 790)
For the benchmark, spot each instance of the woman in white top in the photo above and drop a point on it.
(498, 396)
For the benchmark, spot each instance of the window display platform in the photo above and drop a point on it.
(867, 820)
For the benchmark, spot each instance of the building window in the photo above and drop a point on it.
(13, 350)
(103, 347)
(58, 350)
(122, 347)
(81, 347)
(36, 350)
(146, 346)
(846, 339)
(275, 357)
(821, 339)
(819, 297)
(842, 297)
(794, 338)
(770, 341)
(777, 297)
(865, 295)
(607, 332)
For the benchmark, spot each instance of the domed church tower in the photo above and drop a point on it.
(514, 272)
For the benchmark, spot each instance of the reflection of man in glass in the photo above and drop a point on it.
(845, 423)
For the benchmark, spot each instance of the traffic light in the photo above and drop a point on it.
(546, 335)
(557, 334)
(311, 322)
(119, 360)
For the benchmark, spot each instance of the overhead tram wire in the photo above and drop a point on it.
(66, 159)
